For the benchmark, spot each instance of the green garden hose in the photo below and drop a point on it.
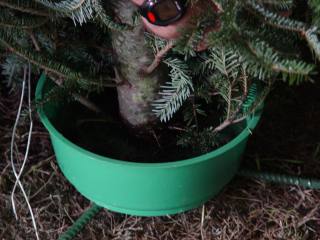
(281, 178)
(80, 223)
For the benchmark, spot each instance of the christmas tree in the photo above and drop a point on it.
(87, 45)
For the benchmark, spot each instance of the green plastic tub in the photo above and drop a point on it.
(145, 189)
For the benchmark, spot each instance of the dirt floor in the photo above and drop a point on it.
(287, 140)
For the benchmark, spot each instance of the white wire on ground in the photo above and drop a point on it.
(18, 175)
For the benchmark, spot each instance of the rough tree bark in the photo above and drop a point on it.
(133, 55)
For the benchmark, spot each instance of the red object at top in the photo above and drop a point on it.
(151, 17)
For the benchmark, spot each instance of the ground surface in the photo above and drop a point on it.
(287, 140)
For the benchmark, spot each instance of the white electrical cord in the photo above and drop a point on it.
(18, 175)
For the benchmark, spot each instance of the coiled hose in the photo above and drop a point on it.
(281, 178)
(80, 223)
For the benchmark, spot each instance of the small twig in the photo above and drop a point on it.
(87, 103)
(4, 231)
(229, 102)
(81, 99)
(211, 94)
(39, 164)
(34, 41)
(158, 57)
(308, 217)
(156, 138)
(9, 84)
(94, 120)
(202, 222)
(218, 7)
(102, 49)
(177, 129)
(42, 187)
(194, 111)
(68, 215)
(245, 85)
(227, 123)
(3, 172)
(113, 83)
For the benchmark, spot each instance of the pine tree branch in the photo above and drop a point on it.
(83, 100)
(24, 9)
(274, 19)
(285, 23)
(51, 70)
(274, 66)
(58, 7)
(36, 63)
(173, 93)
(78, 10)
(313, 42)
(10, 19)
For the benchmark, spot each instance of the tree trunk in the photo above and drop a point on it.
(133, 55)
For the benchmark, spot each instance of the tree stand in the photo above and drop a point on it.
(89, 214)
(211, 171)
